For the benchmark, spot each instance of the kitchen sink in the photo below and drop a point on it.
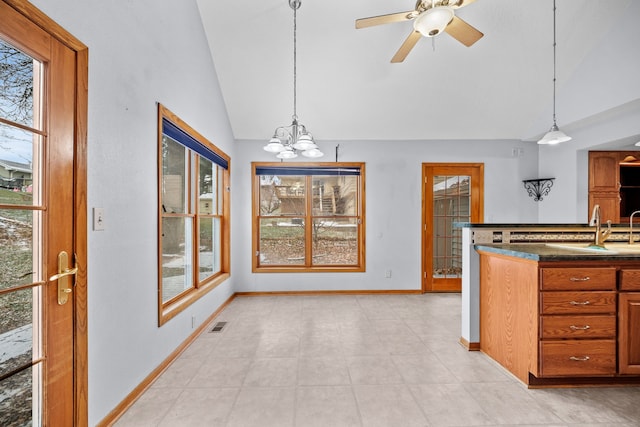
(609, 248)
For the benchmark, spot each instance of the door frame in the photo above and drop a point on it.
(475, 170)
(79, 296)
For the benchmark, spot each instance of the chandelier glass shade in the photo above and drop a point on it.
(555, 135)
(288, 141)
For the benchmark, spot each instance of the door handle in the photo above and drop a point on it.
(64, 277)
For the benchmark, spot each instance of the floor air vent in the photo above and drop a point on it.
(218, 327)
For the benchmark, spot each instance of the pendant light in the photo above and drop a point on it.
(555, 135)
(288, 141)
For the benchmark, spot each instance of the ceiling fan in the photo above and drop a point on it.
(430, 18)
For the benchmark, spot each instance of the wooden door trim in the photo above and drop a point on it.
(36, 16)
(477, 209)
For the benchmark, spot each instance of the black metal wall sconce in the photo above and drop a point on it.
(538, 187)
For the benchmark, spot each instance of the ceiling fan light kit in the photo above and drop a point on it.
(287, 141)
(555, 135)
(430, 18)
(433, 21)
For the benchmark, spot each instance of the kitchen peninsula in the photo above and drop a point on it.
(550, 309)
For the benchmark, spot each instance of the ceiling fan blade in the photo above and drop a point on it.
(463, 32)
(406, 47)
(385, 19)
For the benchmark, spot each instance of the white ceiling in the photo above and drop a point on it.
(500, 88)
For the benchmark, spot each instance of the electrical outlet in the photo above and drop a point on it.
(193, 322)
(98, 219)
(387, 274)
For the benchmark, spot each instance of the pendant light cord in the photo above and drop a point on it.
(295, 4)
(554, 62)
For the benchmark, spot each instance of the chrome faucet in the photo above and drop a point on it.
(631, 226)
(600, 235)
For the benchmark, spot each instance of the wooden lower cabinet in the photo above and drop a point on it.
(629, 334)
(561, 323)
(586, 357)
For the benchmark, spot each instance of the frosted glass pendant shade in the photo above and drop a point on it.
(433, 21)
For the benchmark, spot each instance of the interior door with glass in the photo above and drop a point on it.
(37, 82)
(452, 193)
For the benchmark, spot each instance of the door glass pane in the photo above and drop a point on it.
(16, 165)
(21, 221)
(451, 203)
(16, 399)
(177, 256)
(18, 72)
(281, 241)
(335, 241)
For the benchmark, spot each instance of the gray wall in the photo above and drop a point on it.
(140, 52)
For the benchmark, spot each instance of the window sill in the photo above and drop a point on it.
(171, 310)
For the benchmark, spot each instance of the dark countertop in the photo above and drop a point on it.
(586, 227)
(542, 252)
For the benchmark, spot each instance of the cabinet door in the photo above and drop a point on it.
(629, 336)
(609, 205)
(604, 174)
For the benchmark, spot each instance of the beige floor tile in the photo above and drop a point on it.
(425, 368)
(369, 360)
(333, 406)
(373, 370)
(591, 405)
(201, 407)
(264, 407)
(278, 345)
(323, 371)
(274, 372)
(221, 372)
(179, 373)
(510, 403)
(388, 406)
(437, 403)
(150, 408)
(320, 345)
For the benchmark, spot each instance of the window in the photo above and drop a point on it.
(308, 217)
(193, 218)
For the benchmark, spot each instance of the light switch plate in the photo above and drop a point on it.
(98, 219)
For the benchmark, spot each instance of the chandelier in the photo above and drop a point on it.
(288, 141)
(555, 135)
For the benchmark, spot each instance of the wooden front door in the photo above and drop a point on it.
(42, 223)
(452, 192)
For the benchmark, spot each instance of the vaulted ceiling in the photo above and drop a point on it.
(347, 89)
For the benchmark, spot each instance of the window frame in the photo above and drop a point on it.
(308, 267)
(199, 147)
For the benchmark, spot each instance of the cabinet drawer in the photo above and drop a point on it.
(578, 302)
(552, 327)
(578, 358)
(578, 279)
(630, 280)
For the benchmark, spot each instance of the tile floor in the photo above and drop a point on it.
(374, 360)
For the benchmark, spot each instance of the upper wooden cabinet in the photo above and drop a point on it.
(614, 184)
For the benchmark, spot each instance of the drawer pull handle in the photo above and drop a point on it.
(580, 302)
(579, 359)
(580, 279)
(579, 328)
